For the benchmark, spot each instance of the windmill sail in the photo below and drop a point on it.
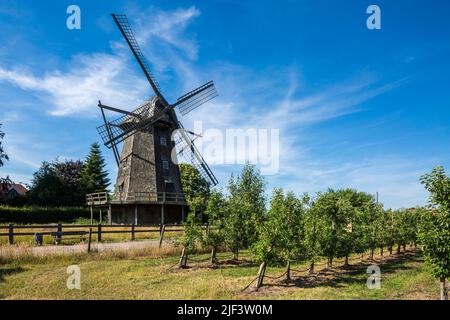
(195, 98)
(117, 130)
(124, 27)
(187, 149)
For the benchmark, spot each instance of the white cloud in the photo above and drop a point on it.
(167, 28)
(92, 77)
(108, 77)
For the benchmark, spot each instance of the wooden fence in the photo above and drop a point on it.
(58, 233)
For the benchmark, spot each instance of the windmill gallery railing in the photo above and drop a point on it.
(102, 198)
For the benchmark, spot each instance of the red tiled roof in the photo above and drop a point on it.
(19, 188)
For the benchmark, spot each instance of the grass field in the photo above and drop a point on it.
(146, 275)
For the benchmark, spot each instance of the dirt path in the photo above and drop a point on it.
(82, 247)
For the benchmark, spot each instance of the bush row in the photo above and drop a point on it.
(41, 215)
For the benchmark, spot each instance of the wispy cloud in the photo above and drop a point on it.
(92, 77)
(103, 76)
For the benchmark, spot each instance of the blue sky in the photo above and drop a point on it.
(360, 108)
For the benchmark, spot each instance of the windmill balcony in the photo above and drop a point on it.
(102, 198)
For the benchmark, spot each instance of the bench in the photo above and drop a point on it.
(62, 235)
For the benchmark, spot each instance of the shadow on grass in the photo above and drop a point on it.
(9, 271)
(342, 276)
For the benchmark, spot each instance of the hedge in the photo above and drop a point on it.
(29, 215)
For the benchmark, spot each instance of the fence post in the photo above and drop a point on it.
(162, 228)
(11, 234)
(311, 267)
(58, 235)
(183, 259)
(132, 232)
(261, 273)
(213, 255)
(90, 239)
(99, 232)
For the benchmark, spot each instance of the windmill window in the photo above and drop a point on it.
(163, 141)
(165, 164)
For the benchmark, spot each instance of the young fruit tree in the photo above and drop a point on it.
(216, 215)
(192, 237)
(335, 213)
(434, 232)
(281, 234)
(245, 209)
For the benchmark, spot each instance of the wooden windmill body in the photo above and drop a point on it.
(148, 187)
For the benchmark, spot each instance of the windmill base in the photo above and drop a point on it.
(136, 213)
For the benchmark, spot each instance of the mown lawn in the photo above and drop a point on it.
(140, 276)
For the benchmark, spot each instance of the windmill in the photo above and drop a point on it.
(148, 186)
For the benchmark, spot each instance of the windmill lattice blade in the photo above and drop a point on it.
(194, 99)
(124, 27)
(119, 129)
(186, 148)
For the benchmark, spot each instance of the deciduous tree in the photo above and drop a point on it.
(245, 207)
(434, 233)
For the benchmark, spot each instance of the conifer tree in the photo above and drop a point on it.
(94, 177)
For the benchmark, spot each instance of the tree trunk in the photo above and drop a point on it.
(213, 255)
(381, 251)
(444, 292)
(236, 255)
(311, 267)
(398, 249)
(390, 250)
(361, 257)
(371, 254)
(288, 271)
(404, 248)
(346, 261)
(330, 262)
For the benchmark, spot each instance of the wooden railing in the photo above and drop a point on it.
(101, 198)
(162, 197)
(58, 233)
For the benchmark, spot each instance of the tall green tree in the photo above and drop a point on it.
(47, 187)
(69, 172)
(57, 183)
(94, 177)
(434, 232)
(3, 155)
(195, 188)
(246, 208)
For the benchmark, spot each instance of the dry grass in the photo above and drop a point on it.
(145, 274)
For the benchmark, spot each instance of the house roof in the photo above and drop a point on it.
(19, 188)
